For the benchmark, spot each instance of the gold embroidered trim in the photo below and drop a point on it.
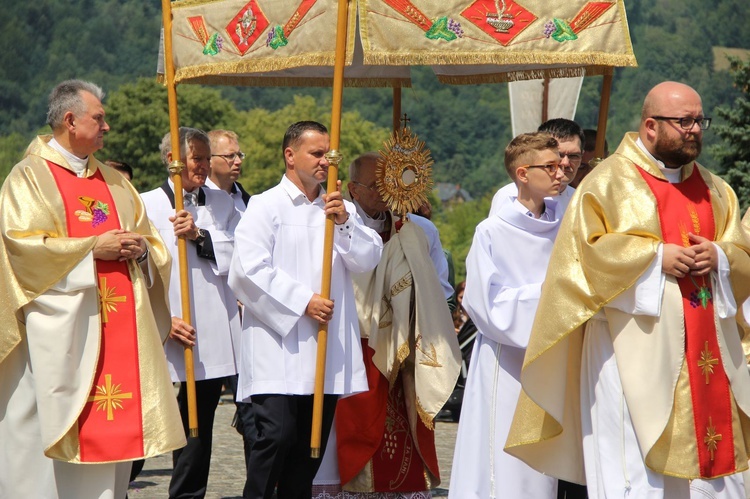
(707, 362)
(109, 397)
(402, 284)
(431, 357)
(712, 438)
(107, 299)
(694, 217)
(401, 355)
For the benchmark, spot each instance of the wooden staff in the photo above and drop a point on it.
(601, 128)
(396, 108)
(175, 168)
(334, 158)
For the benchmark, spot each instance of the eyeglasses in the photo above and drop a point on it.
(373, 187)
(687, 122)
(575, 159)
(230, 157)
(551, 168)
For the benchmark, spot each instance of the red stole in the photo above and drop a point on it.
(685, 208)
(110, 425)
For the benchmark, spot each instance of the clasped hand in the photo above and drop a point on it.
(118, 244)
(697, 260)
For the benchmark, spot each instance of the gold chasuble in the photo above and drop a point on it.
(102, 390)
(684, 373)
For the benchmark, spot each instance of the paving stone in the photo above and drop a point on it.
(227, 477)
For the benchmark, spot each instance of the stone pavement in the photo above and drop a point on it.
(227, 476)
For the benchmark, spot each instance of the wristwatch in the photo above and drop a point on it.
(201, 236)
(143, 257)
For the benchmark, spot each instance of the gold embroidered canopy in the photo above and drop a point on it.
(277, 42)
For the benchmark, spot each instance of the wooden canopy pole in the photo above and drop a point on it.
(601, 128)
(396, 108)
(334, 158)
(175, 168)
(545, 100)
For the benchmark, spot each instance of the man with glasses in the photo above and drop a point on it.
(226, 163)
(505, 271)
(570, 138)
(635, 364)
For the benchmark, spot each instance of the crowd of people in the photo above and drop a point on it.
(597, 343)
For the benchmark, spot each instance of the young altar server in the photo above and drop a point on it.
(505, 269)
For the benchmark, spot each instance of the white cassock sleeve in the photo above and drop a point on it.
(645, 297)
(359, 246)
(267, 291)
(501, 310)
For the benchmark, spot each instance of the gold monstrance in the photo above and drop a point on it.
(404, 172)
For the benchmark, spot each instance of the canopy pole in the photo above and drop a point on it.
(601, 128)
(545, 99)
(334, 158)
(396, 108)
(175, 168)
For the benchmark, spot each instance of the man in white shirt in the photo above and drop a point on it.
(570, 137)
(226, 163)
(226, 166)
(276, 273)
(207, 222)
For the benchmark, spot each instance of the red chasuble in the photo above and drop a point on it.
(685, 208)
(110, 426)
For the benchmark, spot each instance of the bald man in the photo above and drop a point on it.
(637, 369)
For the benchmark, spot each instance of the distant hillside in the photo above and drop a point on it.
(115, 41)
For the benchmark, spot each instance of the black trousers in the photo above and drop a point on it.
(280, 455)
(192, 462)
(567, 490)
(244, 420)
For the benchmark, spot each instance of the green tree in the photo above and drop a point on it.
(12, 148)
(456, 225)
(261, 133)
(138, 115)
(733, 154)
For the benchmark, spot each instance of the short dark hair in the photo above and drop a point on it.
(519, 148)
(120, 166)
(295, 131)
(590, 144)
(563, 129)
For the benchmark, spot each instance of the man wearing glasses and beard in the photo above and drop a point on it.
(635, 365)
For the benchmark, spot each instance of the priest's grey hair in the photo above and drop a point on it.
(187, 135)
(67, 96)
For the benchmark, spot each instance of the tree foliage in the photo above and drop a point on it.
(261, 133)
(733, 154)
(138, 116)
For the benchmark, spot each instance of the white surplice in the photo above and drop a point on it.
(214, 310)
(510, 191)
(236, 194)
(276, 268)
(505, 269)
